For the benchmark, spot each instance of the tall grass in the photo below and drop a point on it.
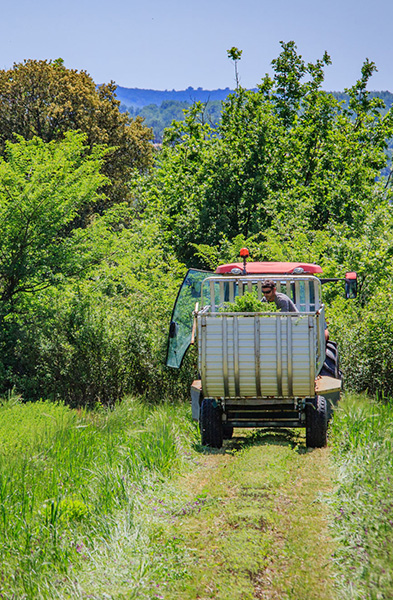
(362, 448)
(70, 483)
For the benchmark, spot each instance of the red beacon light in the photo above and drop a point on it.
(244, 253)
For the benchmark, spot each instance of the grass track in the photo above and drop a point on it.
(252, 524)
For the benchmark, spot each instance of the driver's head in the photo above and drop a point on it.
(269, 289)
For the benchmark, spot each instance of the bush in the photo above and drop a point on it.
(85, 349)
(365, 338)
(101, 334)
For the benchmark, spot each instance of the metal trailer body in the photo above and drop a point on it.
(260, 368)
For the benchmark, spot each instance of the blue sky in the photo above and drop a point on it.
(174, 44)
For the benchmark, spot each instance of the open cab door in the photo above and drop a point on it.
(181, 326)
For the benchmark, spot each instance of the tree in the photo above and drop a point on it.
(81, 309)
(43, 98)
(287, 157)
(235, 54)
(43, 186)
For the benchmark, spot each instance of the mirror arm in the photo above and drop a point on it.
(331, 280)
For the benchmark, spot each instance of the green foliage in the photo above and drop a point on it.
(285, 158)
(42, 189)
(365, 335)
(160, 117)
(226, 251)
(84, 351)
(235, 54)
(158, 109)
(95, 338)
(43, 186)
(288, 171)
(248, 303)
(43, 98)
(83, 311)
(293, 174)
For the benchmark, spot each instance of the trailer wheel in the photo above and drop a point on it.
(316, 422)
(211, 423)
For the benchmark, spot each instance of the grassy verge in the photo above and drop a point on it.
(72, 487)
(362, 451)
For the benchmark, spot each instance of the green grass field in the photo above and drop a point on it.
(124, 504)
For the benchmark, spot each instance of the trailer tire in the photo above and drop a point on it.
(316, 422)
(211, 423)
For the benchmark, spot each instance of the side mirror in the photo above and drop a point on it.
(173, 327)
(351, 285)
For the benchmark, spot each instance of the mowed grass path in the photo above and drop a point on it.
(252, 524)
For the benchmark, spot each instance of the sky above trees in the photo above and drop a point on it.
(176, 44)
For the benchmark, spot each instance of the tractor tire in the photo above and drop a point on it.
(211, 423)
(331, 365)
(227, 431)
(316, 422)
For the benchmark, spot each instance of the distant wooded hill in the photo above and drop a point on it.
(160, 107)
(137, 98)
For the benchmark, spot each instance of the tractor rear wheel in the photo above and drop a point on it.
(331, 365)
(316, 422)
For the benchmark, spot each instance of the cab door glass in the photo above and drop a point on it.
(180, 328)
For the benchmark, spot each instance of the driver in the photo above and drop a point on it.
(282, 301)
